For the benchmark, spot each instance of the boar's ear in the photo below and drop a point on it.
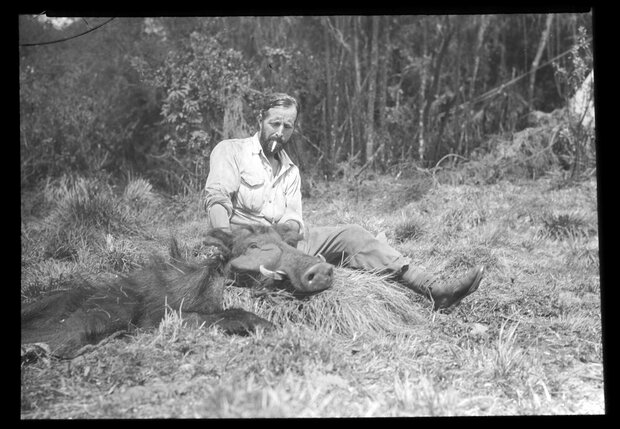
(219, 239)
(288, 234)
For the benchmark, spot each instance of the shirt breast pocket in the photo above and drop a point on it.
(251, 191)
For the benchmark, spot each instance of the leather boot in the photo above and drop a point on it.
(443, 294)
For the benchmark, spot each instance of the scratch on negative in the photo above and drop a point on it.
(123, 292)
(109, 315)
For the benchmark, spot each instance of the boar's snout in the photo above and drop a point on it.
(318, 277)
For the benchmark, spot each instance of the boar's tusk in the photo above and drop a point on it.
(321, 257)
(275, 275)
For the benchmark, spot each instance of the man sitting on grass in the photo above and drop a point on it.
(253, 181)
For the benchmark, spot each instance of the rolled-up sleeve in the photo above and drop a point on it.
(223, 180)
(293, 199)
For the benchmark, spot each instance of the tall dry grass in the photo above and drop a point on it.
(527, 342)
(357, 303)
(87, 226)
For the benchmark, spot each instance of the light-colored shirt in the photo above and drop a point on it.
(241, 179)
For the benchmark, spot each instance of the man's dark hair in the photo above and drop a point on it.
(277, 99)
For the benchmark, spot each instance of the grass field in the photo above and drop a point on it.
(527, 342)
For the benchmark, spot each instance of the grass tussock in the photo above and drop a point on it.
(585, 255)
(462, 218)
(421, 396)
(408, 229)
(507, 354)
(463, 258)
(120, 254)
(358, 302)
(565, 226)
(138, 192)
(85, 210)
(47, 275)
(91, 204)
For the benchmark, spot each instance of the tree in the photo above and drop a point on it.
(153, 95)
(544, 37)
(382, 88)
(372, 88)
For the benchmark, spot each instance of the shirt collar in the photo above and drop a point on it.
(283, 156)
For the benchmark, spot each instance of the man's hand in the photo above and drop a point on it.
(289, 231)
(294, 225)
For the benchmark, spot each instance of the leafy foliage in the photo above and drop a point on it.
(81, 107)
(577, 81)
(202, 82)
(152, 96)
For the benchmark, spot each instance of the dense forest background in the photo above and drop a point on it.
(150, 97)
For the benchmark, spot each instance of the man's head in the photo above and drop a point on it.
(276, 121)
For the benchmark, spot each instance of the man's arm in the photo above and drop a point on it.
(222, 182)
(293, 215)
(218, 217)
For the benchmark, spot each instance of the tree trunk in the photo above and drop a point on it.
(484, 22)
(357, 84)
(329, 102)
(422, 97)
(384, 57)
(541, 47)
(436, 64)
(372, 88)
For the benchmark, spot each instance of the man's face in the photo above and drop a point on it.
(276, 128)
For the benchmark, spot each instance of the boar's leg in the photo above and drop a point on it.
(232, 321)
